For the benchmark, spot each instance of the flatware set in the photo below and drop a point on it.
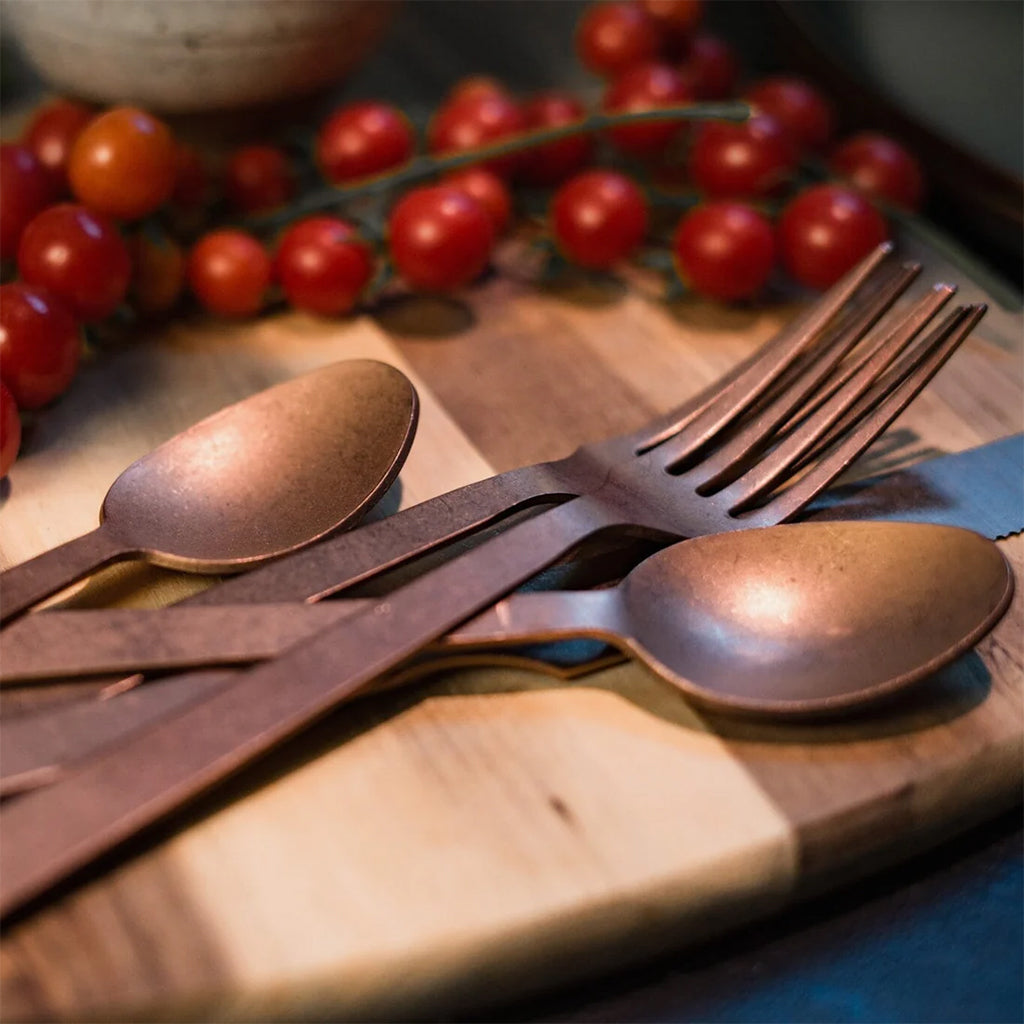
(743, 619)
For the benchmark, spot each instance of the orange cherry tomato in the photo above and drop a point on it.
(123, 164)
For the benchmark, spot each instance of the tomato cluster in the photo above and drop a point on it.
(106, 211)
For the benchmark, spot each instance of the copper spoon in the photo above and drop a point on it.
(807, 619)
(257, 480)
(660, 613)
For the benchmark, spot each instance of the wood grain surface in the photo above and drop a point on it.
(493, 832)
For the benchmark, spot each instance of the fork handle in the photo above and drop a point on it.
(53, 832)
(339, 562)
(30, 582)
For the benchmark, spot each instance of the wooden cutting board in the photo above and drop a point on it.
(493, 832)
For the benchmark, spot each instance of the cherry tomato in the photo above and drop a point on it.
(40, 343)
(323, 265)
(52, 132)
(553, 162)
(749, 158)
(725, 250)
(489, 190)
(25, 190)
(258, 178)
(711, 67)
(10, 430)
(677, 16)
(363, 139)
(78, 255)
(599, 218)
(478, 120)
(229, 271)
(439, 237)
(676, 21)
(476, 85)
(158, 274)
(646, 87)
(613, 37)
(880, 166)
(123, 164)
(798, 107)
(825, 230)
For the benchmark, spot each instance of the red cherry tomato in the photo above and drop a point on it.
(645, 88)
(158, 274)
(881, 167)
(439, 238)
(725, 250)
(489, 190)
(10, 430)
(800, 108)
(323, 265)
(363, 139)
(599, 218)
(123, 164)
(711, 68)
(553, 162)
(679, 17)
(40, 343)
(52, 132)
(749, 158)
(229, 271)
(613, 37)
(258, 178)
(476, 85)
(825, 230)
(478, 120)
(79, 256)
(25, 190)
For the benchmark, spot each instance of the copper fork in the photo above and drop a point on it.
(705, 477)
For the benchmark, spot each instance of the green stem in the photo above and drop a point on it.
(427, 166)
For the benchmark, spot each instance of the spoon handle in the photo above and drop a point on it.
(52, 832)
(28, 583)
(540, 617)
(37, 748)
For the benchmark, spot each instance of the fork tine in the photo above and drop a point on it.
(797, 441)
(932, 302)
(892, 377)
(728, 461)
(728, 396)
(943, 343)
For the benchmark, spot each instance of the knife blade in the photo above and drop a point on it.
(980, 489)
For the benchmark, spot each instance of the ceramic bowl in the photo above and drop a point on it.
(195, 56)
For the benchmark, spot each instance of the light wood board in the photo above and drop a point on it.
(493, 832)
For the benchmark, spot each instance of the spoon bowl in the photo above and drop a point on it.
(812, 618)
(257, 480)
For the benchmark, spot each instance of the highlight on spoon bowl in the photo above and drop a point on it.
(271, 473)
(814, 618)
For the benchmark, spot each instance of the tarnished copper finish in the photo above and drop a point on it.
(656, 485)
(783, 621)
(257, 480)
